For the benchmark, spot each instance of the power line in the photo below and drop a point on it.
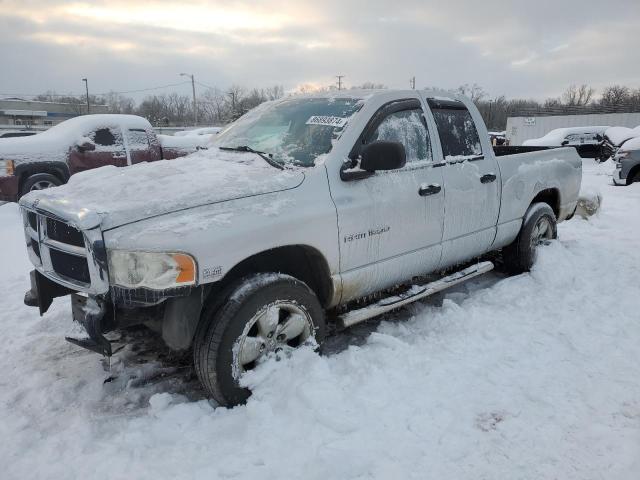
(96, 94)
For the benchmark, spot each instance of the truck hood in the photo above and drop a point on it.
(111, 196)
(36, 148)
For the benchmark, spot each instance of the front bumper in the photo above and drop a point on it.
(617, 176)
(93, 313)
(9, 188)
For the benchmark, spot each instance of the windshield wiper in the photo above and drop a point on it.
(246, 148)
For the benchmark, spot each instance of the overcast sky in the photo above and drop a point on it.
(517, 48)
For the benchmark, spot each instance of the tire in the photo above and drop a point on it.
(539, 227)
(246, 319)
(39, 181)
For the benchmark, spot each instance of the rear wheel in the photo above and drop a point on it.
(39, 181)
(539, 227)
(262, 314)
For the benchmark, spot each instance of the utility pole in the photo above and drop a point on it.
(340, 77)
(86, 84)
(195, 104)
(413, 83)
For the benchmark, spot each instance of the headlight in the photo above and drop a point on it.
(155, 270)
(621, 155)
(7, 167)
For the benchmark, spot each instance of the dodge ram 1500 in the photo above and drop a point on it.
(308, 212)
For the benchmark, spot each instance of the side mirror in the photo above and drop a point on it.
(86, 147)
(382, 155)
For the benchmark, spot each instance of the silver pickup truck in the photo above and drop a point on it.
(313, 212)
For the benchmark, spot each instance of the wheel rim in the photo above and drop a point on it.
(542, 232)
(41, 185)
(276, 327)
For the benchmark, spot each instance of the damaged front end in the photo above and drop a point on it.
(70, 259)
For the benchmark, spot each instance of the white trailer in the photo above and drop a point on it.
(524, 128)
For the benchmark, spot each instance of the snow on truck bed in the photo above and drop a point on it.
(535, 376)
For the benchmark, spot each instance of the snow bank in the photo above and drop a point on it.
(528, 377)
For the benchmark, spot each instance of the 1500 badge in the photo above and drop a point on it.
(372, 232)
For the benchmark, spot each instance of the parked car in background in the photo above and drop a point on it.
(587, 140)
(615, 137)
(199, 131)
(307, 211)
(82, 143)
(627, 161)
(16, 133)
(498, 138)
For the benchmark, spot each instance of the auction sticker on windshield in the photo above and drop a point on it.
(327, 120)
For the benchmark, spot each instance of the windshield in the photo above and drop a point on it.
(293, 131)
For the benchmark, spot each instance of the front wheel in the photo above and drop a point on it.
(538, 228)
(39, 181)
(261, 314)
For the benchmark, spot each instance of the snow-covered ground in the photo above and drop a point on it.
(529, 377)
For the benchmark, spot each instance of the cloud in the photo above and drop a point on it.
(530, 49)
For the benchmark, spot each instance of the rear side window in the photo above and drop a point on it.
(104, 137)
(408, 128)
(456, 129)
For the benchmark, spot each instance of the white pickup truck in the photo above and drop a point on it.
(312, 212)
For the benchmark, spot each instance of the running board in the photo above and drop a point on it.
(415, 292)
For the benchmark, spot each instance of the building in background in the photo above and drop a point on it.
(31, 113)
(528, 125)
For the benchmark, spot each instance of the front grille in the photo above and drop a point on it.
(61, 232)
(33, 220)
(59, 252)
(70, 266)
(36, 248)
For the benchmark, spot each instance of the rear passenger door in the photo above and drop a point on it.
(471, 177)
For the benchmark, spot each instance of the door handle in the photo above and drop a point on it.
(426, 190)
(488, 178)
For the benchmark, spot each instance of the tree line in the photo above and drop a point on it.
(220, 106)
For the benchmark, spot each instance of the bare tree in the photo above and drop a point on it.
(578, 95)
(369, 86)
(118, 103)
(615, 95)
(475, 92)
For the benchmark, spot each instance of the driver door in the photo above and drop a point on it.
(390, 230)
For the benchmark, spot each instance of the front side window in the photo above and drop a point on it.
(293, 131)
(457, 131)
(137, 139)
(408, 128)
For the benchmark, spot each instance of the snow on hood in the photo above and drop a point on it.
(54, 144)
(618, 135)
(631, 145)
(112, 196)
